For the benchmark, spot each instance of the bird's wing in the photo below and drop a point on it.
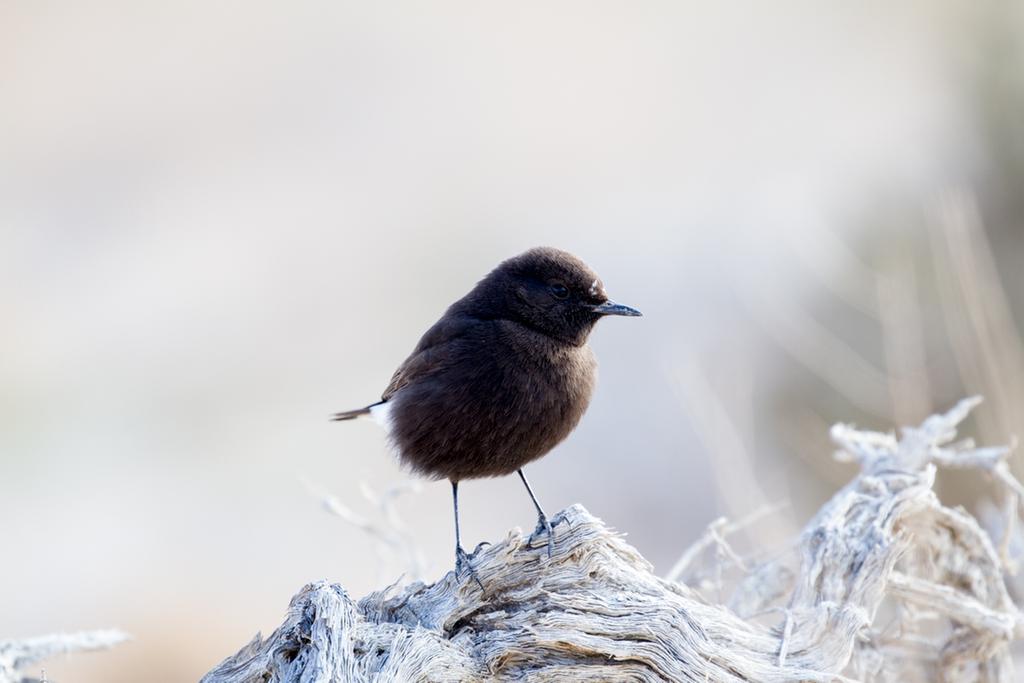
(433, 352)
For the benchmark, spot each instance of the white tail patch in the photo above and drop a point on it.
(381, 414)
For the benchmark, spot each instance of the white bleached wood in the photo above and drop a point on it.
(18, 656)
(885, 584)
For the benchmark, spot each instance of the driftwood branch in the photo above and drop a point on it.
(17, 656)
(884, 584)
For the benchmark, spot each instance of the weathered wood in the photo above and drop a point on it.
(886, 584)
(17, 656)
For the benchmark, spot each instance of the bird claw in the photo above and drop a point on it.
(544, 526)
(462, 563)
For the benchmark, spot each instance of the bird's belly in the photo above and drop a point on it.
(478, 428)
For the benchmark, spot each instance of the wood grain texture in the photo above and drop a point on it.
(884, 584)
(19, 658)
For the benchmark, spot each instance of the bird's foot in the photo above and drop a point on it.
(544, 527)
(464, 565)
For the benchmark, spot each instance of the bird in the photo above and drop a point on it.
(500, 379)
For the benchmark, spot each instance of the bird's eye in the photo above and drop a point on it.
(559, 291)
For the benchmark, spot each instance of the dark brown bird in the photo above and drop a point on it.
(501, 378)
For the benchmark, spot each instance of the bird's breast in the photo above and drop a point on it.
(495, 404)
(550, 387)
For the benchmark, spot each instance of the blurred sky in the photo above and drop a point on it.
(221, 222)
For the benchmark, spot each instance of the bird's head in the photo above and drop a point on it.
(547, 290)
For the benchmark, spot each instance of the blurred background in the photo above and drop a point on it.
(221, 222)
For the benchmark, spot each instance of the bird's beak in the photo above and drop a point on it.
(612, 308)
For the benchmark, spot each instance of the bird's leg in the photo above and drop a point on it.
(542, 519)
(461, 558)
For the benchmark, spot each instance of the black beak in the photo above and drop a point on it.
(612, 308)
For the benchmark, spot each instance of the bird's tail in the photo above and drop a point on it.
(353, 414)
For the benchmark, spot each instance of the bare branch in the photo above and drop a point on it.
(18, 655)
